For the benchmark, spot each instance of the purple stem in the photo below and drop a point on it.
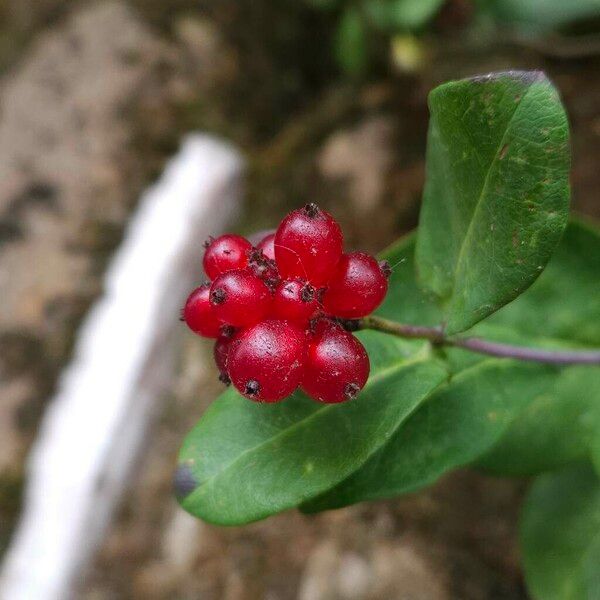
(436, 336)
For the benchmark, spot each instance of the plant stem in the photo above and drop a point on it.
(436, 336)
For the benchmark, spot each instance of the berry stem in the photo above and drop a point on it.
(436, 336)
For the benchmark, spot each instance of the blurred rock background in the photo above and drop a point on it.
(94, 97)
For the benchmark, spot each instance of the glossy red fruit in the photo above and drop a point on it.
(308, 244)
(240, 298)
(266, 362)
(199, 314)
(357, 287)
(225, 253)
(267, 246)
(337, 365)
(295, 300)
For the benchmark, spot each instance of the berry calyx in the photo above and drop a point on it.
(337, 365)
(221, 354)
(199, 314)
(225, 253)
(295, 300)
(267, 246)
(308, 244)
(240, 298)
(264, 267)
(266, 362)
(357, 287)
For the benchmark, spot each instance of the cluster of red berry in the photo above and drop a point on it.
(276, 309)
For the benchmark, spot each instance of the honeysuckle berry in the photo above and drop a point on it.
(199, 315)
(308, 244)
(225, 253)
(337, 365)
(266, 361)
(267, 246)
(357, 287)
(295, 300)
(240, 298)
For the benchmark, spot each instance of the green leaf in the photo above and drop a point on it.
(542, 14)
(245, 461)
(497, 193)
(562, 309)
(351, 44)
(459, 422)
(556, 428)
(560, 535)
(394, 15)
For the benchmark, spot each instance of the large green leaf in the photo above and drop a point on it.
(557, 427)
(497, 192)
(561, 309)
(560, 535)
(245, 461)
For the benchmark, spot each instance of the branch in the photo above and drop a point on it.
(436, 336)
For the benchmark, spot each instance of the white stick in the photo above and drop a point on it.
(95, 425)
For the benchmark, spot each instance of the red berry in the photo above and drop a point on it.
(357, 287)
(308, 244)
(267, 246)
(337, 366)
(240, 298)
(295, 300)
(266, 362)
(226, 253)
(199, 314)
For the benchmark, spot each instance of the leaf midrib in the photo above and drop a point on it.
(483, 192)
(375, 379)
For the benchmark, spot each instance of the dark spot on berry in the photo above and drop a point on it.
(218, 296)
(321, 294)
(307, 293)
(227, 331)
(252, 388)
(208, 241)
(224, 379)
(311, 210)
(384, 265)
(184, 482)
(351, 391)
